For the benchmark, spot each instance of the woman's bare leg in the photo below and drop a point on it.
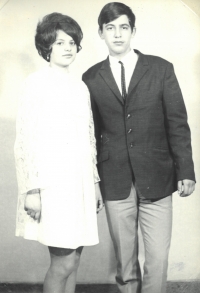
(61, 276)
(71, 280)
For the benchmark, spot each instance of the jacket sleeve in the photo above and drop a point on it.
(177, 127)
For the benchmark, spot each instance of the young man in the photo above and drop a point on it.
(144, 148)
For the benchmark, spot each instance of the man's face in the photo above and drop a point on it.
(117, 35)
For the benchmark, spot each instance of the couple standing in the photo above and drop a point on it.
(143, 146)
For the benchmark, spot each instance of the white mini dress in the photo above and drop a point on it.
(55, 151)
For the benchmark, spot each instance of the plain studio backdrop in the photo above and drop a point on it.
(167, 28)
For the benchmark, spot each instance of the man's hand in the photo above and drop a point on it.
(185, 187)
(99, 199)
(32, 205)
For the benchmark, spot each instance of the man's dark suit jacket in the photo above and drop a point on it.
(147, 136)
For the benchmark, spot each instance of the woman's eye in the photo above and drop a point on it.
(60, 43)
(72, 43)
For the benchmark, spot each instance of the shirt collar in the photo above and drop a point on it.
(128, 59)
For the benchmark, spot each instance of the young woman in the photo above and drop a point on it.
(56, 156)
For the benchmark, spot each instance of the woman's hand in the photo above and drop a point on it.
(99, 199)
(32, 205)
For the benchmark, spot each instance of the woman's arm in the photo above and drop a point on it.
(99, 199)
(26, 143)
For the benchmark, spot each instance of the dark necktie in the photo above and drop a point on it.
(123, 82)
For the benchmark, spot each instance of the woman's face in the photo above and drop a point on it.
(64, 50)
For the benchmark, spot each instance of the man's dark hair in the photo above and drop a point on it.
(47, 28)
(112, 11)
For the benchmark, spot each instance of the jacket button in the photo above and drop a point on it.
(131, 144)
(129, 131)
(128, 116)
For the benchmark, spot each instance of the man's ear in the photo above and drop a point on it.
(133, 32)
(101, 34)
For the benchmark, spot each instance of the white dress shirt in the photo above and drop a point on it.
(129, 61)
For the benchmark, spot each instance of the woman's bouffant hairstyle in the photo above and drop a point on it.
(47, 28)
(112, 11)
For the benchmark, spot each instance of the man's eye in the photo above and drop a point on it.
(109, 28)
(125, 27)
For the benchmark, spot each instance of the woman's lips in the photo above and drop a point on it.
(67, 55)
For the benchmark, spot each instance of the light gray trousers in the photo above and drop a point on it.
(155, 218)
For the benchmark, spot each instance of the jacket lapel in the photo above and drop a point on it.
(141, 68)
(106, 73)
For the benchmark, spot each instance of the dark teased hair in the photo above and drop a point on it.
(112, 11)
(47, 28)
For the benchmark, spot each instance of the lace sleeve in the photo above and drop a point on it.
(25, 148)
(93, 143)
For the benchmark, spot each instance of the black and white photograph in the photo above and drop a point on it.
(99, 146)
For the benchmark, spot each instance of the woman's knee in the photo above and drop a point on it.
(63, 266)
(64, 261)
